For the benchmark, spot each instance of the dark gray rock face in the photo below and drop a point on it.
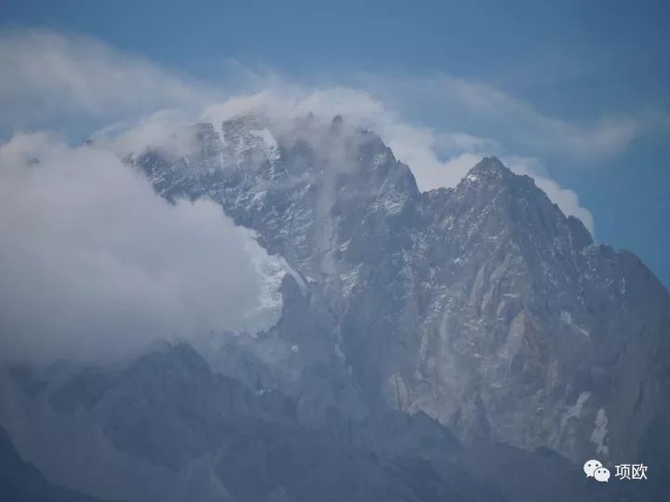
(483, 306)
(169, 409)
(21, 482)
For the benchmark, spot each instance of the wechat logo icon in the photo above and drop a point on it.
(594, 469)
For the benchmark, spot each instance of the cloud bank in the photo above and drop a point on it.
(95, 264)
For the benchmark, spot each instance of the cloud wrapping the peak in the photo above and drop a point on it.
(95, 264)
(166, 130)
(437, 159)
(108, 264)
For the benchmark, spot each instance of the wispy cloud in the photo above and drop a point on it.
(439, 125)
(48, 75)
(437, 158)
(84, 240)
(484, 110)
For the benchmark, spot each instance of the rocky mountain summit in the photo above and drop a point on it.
(483, 306)
(470, 343)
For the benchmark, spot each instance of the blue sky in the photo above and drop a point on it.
(574, 91)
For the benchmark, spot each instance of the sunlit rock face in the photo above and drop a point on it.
(483, 306)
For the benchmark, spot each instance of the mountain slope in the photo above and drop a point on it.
(213, 439)
(483, 305)
(21, 482)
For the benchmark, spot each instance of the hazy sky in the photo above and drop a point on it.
(574, 91)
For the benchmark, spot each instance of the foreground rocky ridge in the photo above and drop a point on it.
(165, 427)
(21, 482)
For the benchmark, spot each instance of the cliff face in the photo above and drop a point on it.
(21, 482)
(164, 426)
(483, 306)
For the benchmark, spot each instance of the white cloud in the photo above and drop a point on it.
(437, 159)
(166, 130)
(484, 110)
(93, 263)
(85, 242)
(439, 125)
(46, 75)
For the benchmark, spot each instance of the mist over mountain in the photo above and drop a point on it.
(96, 266)
(470, 343)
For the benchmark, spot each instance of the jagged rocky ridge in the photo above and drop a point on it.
(481, 310)
(484, 305)
(174, 430)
